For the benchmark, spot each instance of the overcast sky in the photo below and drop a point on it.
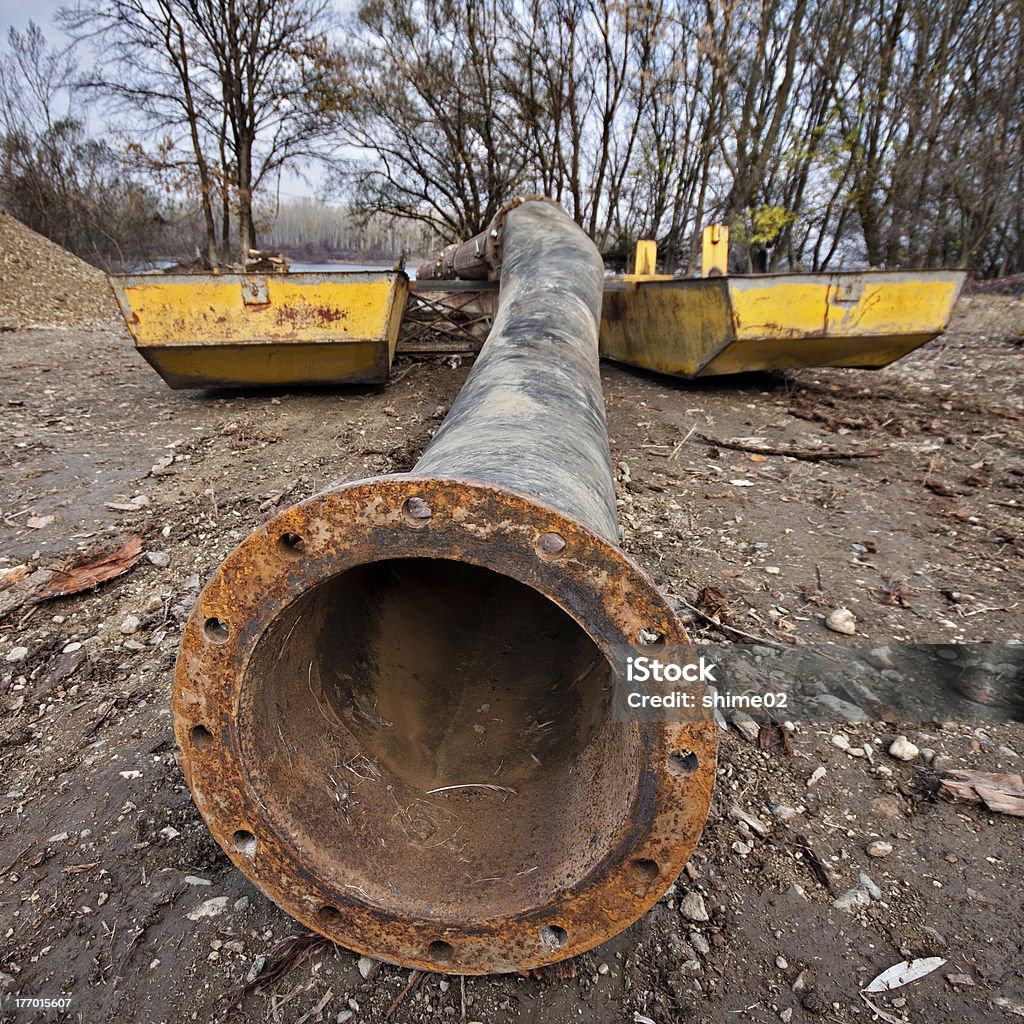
(18, 13)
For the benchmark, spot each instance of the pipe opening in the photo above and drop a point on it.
(435, 738)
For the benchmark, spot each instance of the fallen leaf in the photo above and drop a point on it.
(905, 972)
(84, 577)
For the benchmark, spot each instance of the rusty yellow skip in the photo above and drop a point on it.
(236, 330)
(718, 324)
(339, 328)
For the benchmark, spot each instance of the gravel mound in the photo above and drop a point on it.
(43, 285)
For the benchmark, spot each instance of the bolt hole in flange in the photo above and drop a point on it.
(554, 936)
(291, 545)
(645, 870)
(440, 952)
(550, 545)
(329, 915)
(200, 737)
(682, 763)
(416, 511)
(244, 842)
(217, 630)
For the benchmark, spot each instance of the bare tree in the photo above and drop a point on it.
(72, 188)
(427, 101)
(232, 91)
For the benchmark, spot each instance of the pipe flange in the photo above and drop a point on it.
(278, 811)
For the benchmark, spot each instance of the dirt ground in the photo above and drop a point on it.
(103, 856)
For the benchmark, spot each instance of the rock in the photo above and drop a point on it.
(603, 969)
(872, 890)
(903, 749)
(699, 943)
(693, 909)
(155, 603)
(942, 762)
(158, 558)
(365, 966)
(927, 755)
(842, 620)
(255, 968)
(241, 904)
(840, 741)
(785, 813)
(743, 849)
(130, 625)
(745, 725)
(752, 822)
(71, 647)
(781, 962)
(858, 896)
(804, 982)
(880, 658)
(211, 908)
(816, 776)
(879, 849)
(196, 880)
(852, 900)
(843, 708)
(17, 654)
(786, 1015)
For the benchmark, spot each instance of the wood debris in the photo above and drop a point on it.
(1001, 794)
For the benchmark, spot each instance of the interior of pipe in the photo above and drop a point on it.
(435, 739)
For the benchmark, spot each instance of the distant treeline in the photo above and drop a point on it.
(824, 132)
(314, 231)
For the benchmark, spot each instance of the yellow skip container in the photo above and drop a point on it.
(241, 330)
(701, 327)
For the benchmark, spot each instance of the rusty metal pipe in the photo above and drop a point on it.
(392, 701)
(476, 259)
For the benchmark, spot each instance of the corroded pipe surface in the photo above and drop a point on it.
(476, 259)
(393, 700)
